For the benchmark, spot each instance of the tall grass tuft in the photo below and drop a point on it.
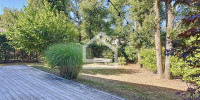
(67, 57)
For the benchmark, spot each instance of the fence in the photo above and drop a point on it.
(9, 55)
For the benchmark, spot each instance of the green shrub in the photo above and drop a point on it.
(179, 67)
(149, 59)
(67, 57)
(109, 54)
(131, 52)
(121, 61)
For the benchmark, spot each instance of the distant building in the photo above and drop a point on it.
(2, 30)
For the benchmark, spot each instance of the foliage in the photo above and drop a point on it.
(182, 68)
(120, 26)
(131, 52)
(149, 59)
(93, 14)
(109, 54)
(188, 44)
(178, 66)
(36, 29)
(121, 61)
(75, 15)
(99, 51)
(187, 47)
(143, 16)
(56, 5)
(9, 18)
(5, 49)
(96, 50)
(67, 57)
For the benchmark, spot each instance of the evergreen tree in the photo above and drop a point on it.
(94, 15)
(142, 14)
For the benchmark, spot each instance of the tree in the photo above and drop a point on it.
(93, 14)
(5, 49)
(168, 44)
(8, 19)
(187, 48)
(36, 29)
(141, 13)
(56, 5)
(76, 16)
(120, 25)
(170, 29)
(158, 38)
(188, 43)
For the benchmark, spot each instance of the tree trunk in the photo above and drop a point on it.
(158, 38)
(170, 24)
(79, 23)
(22, 54)
(37, 60)
(79, 39)
(139, 47)
(139, 58)
(124, 53)
(14, 54)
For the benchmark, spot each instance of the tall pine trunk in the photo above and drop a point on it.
(139, 47)
(158, 38)
(79, 29)
(139, 58)
(170, 24)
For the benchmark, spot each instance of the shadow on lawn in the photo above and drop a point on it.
(109, 71)
(131, 91)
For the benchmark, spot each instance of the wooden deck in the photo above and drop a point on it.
(27, 83)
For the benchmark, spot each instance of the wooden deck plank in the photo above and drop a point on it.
(80, 89)
(36, 87)
(26, 94)
(70, 89)
(27, 83)
(18, 88)
(2, 95)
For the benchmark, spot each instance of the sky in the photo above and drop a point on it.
(11, 4)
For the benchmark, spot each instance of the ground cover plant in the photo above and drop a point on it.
(67, 57)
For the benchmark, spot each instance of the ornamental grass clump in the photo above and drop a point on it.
(67, 57)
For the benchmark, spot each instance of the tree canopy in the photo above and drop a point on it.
(37, 28)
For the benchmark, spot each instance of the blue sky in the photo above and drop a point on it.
(11, 4)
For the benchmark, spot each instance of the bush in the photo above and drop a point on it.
(132, 53)
(109, 54)
(179, 67)
(121, 61)
(67, 57)
(149, 59)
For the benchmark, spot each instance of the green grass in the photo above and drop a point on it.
(107, 71)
